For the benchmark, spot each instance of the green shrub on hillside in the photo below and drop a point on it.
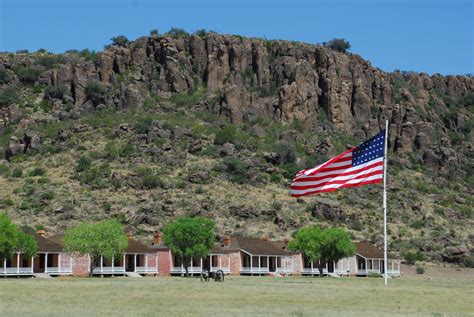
(226, 135)
(4, 170)
(413, 257)
(95, 92)
(4, 77)
(56, 92)
(83, 163)
(37, 171)
(143, 124)
(8, 97)
(150, 181)
(17, 172)
(236, 168)
(27, 75)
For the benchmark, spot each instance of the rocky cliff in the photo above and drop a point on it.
(272, 106)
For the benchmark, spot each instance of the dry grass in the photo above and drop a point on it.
(237, 296)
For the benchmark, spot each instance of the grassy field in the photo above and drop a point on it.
(237, 296)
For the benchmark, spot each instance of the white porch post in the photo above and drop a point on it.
(4, 266)
(268, 263)
(32, 264)
(200, 262)
(228, 261)
(59, 262)
(124, 269)
(146, 262)
(101, 264)
(135, 263)
(70, 263)
(192, 266)
(46, 263)
(251, 265)
(259, 265)
(17, 263)
(220, 261)
(156, 261)
(312, 266)
(113, 264)
(366, 267)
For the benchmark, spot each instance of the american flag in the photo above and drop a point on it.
(361, 165)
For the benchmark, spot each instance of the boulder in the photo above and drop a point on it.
(227, 149)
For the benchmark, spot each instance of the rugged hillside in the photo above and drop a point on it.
(217, 125)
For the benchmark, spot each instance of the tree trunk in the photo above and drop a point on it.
(322, 264)
(92, 267)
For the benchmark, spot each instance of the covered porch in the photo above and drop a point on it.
(46, 263)
(368, 266)
(265, 264)
(341, 267)
(136, 263)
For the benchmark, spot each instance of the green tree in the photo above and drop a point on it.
(177, 32)
(190, 237)
(104, 239)
(324, 245)
(120, 40)
(340, 45)
(154, 32)
(13, 240)
(95, 92)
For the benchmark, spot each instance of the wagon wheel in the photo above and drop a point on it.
(219, 276)
(204, 276)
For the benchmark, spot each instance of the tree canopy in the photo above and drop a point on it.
(13, 240)
(104, 239)
(340, 45)
(324, 245)
(190, 237)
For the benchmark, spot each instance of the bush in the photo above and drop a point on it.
(201, 32)
(340, 45)
(47, 196)
(27, 75)
(83, 163)
(226, 135)
(54, 92)
(37, 171)
(420, 270)
(127, 150)
(154, 32)
(236, 168)
(49, 61)
(95, 92)
(4, 77)
(177, 32)
(17, 172)
(8, 96)
(412, 257)
(469, 261)
(188, 99)
(4, 170)
(120, 40)
(150, 182)
(143, 124)
(285, 152)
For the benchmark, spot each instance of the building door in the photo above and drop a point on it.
(272, 263)
(130, 262)
(330, 266)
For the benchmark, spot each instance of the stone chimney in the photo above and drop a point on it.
(41, 233)
(157, 238)
(226, 240)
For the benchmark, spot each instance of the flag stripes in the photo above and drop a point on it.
(342, 171)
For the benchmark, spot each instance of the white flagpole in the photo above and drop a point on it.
(385, 204)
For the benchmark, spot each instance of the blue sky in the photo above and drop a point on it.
(426, 36)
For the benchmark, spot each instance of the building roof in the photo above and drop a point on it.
(370, 251)
(47, 245)
(134, 246)
(253, 246)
